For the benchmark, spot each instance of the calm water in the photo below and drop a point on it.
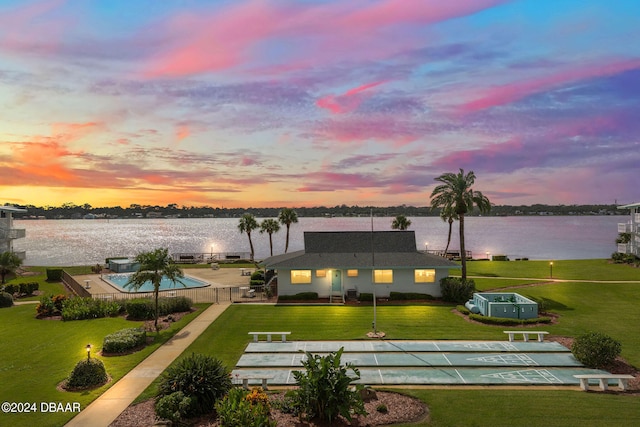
(84, 242)
(120, 280)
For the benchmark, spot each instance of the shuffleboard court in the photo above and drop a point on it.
(400, 362)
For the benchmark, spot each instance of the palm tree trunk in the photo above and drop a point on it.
(463, 252)
(250, 245)
(270, 244)
(156, 289)
(286, 245)
(449, 237)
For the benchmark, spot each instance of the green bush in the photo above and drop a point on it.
(202, 378)
(242, 409)
(300, 296)
(81, 308)
(124, 340)
(506, 321)
(403, 296)
(50, 305)
(258, 275)
(6, 299)
(462, 309)
(173, 407)
(174, 305)
(455, 290)
(596, 350)
(144, 308)
(500, 258)
(12, 288)
(364, 297)
(87, 373)
(54, 275)
(28, 288)
(324, 388)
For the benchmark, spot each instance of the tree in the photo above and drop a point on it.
(154, 266)
(400, 223)
(9, 263)
(269, 226)
(449, 215)
(287, 217)
(455, 194)
(247, 224)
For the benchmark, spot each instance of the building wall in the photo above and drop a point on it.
(403, 281)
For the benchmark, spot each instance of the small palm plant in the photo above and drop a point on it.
(400, 222)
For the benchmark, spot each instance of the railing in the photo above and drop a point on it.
(73, 284)
(637, 218)
(199, 295)
(12, 233)
(207, 257)
(625, 227)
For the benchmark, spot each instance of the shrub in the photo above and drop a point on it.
(140, 308)
(50, 305)
(88, 308)
(365, 297)
(242, 409)
(403, 296)
(124, 340)
(202, 378)
(87, 373)
(300, 296)
(506, 321)
(54, 274)
(463, 310)
(174, 305)
(12, 288)
(173, 407)
(500, 258)
(455, 290)
(596, 350)
(28, 288)
(382, 408)
(324, 389)
(258, 275)
(6, 299)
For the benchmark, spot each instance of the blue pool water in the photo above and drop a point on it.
(119, 280)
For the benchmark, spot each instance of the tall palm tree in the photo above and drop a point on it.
(9, 263)
(400, 222)
(247, 224)
(455, 193)
(287, 217)
(154, 266)
(269, 226)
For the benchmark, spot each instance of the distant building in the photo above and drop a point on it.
(338, 264)
(7, 233)
(631, 227)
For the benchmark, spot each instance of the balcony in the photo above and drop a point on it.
(626, 227)
(636, 218)
(12, 233)
(624, 248)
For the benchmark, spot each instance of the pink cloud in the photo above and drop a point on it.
(347, 102)
(505, 94)
(236, 35)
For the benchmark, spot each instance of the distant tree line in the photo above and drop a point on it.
(73, 211)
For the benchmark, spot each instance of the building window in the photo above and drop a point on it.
(300, 276)
(425, 275)
(321, 273)
(352, 273)
(383, 276)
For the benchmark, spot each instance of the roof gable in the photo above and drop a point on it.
(359, 241)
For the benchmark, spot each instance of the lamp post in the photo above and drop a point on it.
(551, 270)
(88, 351)
(426, 247)
(487, 253)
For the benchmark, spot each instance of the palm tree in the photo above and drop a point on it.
(400, 223)
(448, 215)
(153, 266)
(269, 226)
(455, 193)
(287, 217)
(247, 224)
(9, 263)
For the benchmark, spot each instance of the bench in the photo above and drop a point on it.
(251, 293)
(215, 266)
(268, 334)
(245, 272)
(262, 378)
(623, 380)
(525, 335)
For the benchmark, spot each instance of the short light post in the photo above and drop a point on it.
(487, 253)
(88, 351)
(426, 247)
(551, 270)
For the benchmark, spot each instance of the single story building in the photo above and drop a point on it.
(339, 263)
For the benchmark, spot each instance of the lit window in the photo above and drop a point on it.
(321, 273)
(425, 276)
(352, 273)
(300, 276)
(383, 276)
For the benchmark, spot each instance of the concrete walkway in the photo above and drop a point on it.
(106, 408)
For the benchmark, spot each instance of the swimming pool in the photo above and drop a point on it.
(119, 280)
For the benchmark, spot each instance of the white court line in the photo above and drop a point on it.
(375, 357)
(436, 345)
(447, 359)
(293, 359)
(381, 377)
(461, 377)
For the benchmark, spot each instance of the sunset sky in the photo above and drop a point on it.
(242, 103)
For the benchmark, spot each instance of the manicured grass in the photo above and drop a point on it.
(38, 354)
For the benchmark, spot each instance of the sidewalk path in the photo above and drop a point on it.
(106, 408)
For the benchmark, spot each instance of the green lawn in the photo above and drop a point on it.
(38, 354)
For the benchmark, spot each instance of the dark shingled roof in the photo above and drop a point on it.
(352, 249)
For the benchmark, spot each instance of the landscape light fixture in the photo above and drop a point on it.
(88, 351)
(426, 246)
(487, 255)
(551, 270)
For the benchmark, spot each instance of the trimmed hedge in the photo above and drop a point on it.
(6, 299)
(26, 289)
(87, 373)
(124, 340)
(507, 321)
(300, 296)
(89, 308)
(144, 308)
(403, 296)
(596, 350)
(365, 297)
(54, 275)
